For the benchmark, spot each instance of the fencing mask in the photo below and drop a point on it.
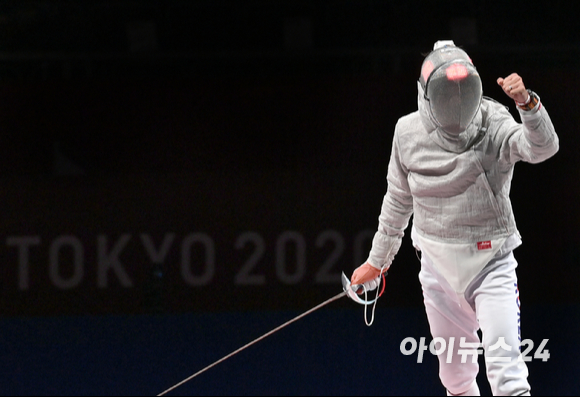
(452, 87)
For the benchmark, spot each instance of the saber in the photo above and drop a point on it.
(348, 290)
(335, 298)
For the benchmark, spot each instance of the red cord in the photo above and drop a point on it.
(383, 289)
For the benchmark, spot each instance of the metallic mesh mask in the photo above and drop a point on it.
(452, 87)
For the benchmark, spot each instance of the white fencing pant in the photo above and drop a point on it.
(490, 303)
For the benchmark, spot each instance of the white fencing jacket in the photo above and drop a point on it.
(457, 187)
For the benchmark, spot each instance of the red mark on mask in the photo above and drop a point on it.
(457, 72)
(427, 70)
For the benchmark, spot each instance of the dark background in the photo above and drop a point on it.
(251, 140)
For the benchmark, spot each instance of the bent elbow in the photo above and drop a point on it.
(547, 152)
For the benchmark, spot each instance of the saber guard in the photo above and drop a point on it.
(351, 292)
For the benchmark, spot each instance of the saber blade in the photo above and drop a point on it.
(221, 360)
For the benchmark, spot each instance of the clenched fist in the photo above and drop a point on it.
(514, 87)
(368, 276)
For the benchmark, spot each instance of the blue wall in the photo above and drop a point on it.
(330, 352)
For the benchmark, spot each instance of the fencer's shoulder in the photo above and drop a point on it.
(409, 124)
(410, 117)
(490, 108)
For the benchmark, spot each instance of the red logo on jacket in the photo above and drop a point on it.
(484, 245)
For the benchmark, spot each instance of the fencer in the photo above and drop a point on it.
(450, 168)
